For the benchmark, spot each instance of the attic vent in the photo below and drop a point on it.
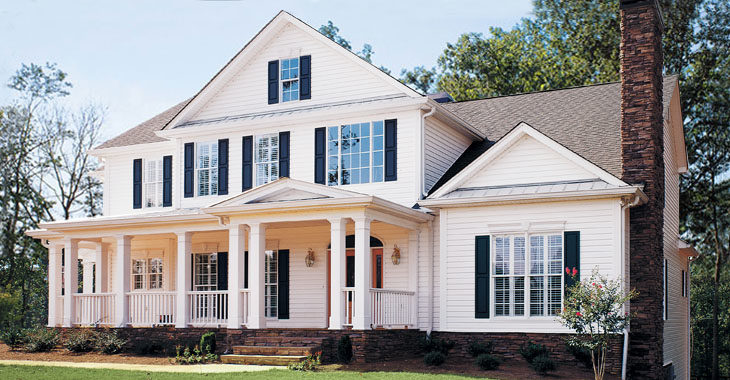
(441, 97)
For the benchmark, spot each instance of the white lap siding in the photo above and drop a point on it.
(442, 146)
(599, 224)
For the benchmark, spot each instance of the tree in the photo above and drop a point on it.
(333, 33)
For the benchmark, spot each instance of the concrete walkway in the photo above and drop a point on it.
(196, 368)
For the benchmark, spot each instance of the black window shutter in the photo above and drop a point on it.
(283, 154)
(571, 248)
(481, 251)
(305, 77)
(247, 163)
(137, 183)
(283, 284)
(273, 82)
(166, 181)
(319, 154)
(223, 167)
(245, 269)
(189, 170)
(391, 148)
(222, 270)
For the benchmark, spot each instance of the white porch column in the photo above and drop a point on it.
(184, 278)
(102, 268)
(414, 238)
(337, 272)
(361, 314)
(121, 280)
(54, 284)
(236, 248)
(88, 276)
(256, 253)
(71, 280)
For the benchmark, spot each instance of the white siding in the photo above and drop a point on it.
(442, 146)
(528, 161)
(597, 220)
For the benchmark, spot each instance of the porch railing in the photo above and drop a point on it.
(392, 307)
(94, 309)
(349, 294)
(245, 305)
(208, 308)
(151, 308)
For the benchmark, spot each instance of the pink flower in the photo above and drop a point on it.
(578, 313)
(593, 283)
(600, 287)
(575, 271)
(567, 270)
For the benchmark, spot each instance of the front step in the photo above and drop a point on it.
(288, 341)
(272, 350)
(262, 359)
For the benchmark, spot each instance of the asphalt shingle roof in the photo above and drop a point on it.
(145, 133)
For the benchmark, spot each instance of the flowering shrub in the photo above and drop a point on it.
(309, 364)
(594, 309)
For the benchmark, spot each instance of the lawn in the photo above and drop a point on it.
(23, 372)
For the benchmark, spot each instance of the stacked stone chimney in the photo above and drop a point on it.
(642, 150)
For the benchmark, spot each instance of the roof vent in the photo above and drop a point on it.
(441, 97)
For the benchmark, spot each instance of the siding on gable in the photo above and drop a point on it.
(334, 78)
(442, 146)
(528, 161)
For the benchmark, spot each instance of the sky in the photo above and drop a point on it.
(138, 58)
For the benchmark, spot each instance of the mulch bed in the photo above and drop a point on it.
(63, 355)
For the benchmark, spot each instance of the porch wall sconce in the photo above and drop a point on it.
(395, 257)
(309, 260)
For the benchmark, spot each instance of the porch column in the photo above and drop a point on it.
(101, 269)
(54, 284)
(361, 313)
(121, 280)
(236, 247)
(337, 272)
(184, 278)
(88, 276)
(71, 280)
(256, 253)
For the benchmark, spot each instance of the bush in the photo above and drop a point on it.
(582, 354)
(477, 348)
(542, 364)
(151, 348)
(41, 340)
(344, 349)
(109, 343)
(434, 358)
(440, 345)
(531, 350)
(80, 341)
(207, 343)
(308, 364)
(487, 362)
(13, 337)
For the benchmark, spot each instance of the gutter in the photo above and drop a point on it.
(422, 159)
(625, 206)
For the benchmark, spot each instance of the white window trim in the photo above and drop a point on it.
(146, 181)
(146, 257)
(213, 285)
(273, 285)
(271, 161)
(290, 80)
(527, 275)
(210, 168)
(371, 152)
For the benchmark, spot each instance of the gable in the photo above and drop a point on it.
(527, 161)
(285, 190)
(288, 194)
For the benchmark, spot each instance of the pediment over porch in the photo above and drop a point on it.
(286, 190)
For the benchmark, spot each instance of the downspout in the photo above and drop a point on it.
(429, 254)
(423, 194)
(625, 353)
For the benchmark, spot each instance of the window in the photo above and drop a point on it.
(271, 282)
(147, 274)
(152, 180)
(267, 158)
(289, 79)
(205, 272)
(537, 275)
(355, 153)
(207, 168)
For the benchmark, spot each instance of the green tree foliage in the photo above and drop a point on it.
(333, 33)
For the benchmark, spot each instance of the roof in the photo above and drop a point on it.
(586, 120)
(531, 188)
(145, 133)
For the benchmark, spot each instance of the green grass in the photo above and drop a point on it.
(22, 372)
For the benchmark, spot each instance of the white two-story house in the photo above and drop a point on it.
(303, 188)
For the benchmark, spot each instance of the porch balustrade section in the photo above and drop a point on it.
(152, 308)
(208, 308)
(392, 308)
(94, 309)
(349, 295)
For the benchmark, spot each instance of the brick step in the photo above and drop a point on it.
(287, 341)
(261, 359)
(273, 350)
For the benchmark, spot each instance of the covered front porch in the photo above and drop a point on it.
(285, 255)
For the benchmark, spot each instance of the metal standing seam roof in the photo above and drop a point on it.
(534, 188)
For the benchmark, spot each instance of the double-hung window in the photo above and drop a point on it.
(267, 158)
(205, 271)
(271, 283)
(355, 153)
(289, 79)
(206, 167)
(152, 180)
(147, 274)
(527, 275)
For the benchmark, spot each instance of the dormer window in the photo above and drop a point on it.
(289, 79)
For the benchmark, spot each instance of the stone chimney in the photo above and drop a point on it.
(642, 149)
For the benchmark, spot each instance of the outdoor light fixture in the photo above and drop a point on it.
(396, 255)
(309, 260)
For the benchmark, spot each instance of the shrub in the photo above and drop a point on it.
(487, 362)
(530, 350)
(434, 358)
(543, 364)
(477, 348)
(13, 337)
(109, 343)
(581, 353)
(41, 340)
(308, 364)
(344, 349)
(207, 343)
(151, 348)
(429, 344)
(80, 341)
(194, 356)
